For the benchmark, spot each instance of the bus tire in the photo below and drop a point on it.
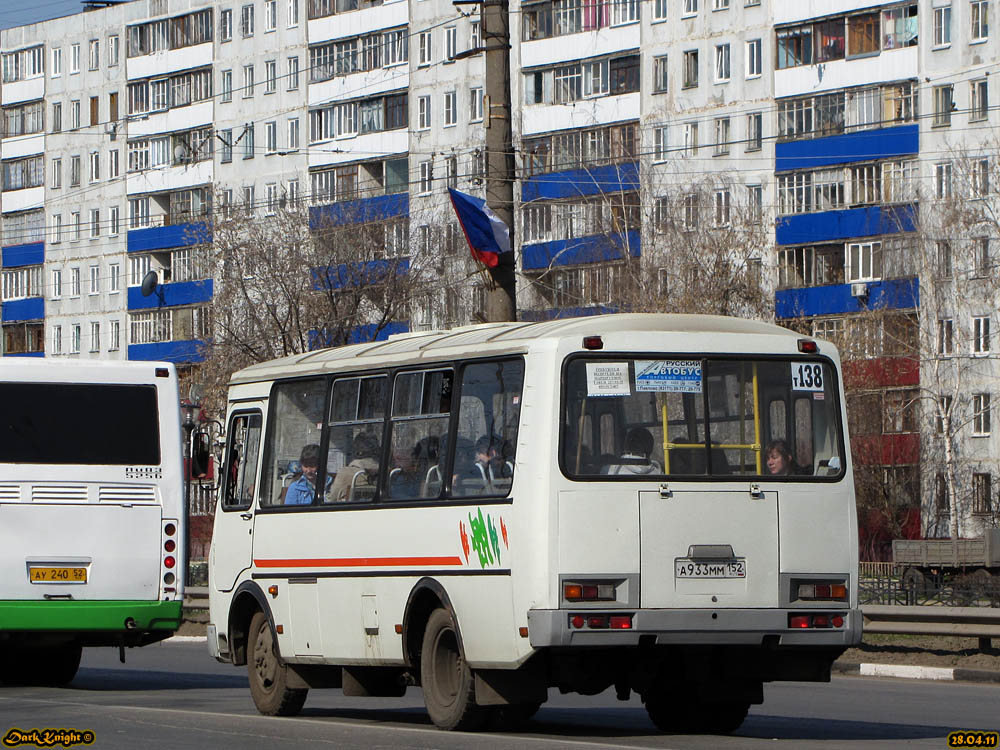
(671, 712)
(53, 666)
(268, 674)
(447, 680)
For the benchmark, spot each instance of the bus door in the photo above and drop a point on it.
(711, 542)
(234, 516)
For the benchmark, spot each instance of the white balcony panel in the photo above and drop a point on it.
(790, 11)
(169, 61)
(23, 145)
(368, 146)
(170, 178)
(358, 85)
(574, 47)
(891, 65)
(23, 91)
(180, 118)
(23, 200)
(588, 113)
(358, 22)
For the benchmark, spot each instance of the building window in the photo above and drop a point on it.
(293, 73)
(95, 166)
(225, 25)
(980, 414)
(690, 68)
(293, 133)
(980, 20)
(248, 81)
(74, 342)
(722, 63)
(980, 335)
(450, 114)
(94, 55)
(56, 62)
(690, 212)
(660, 76)
(424, 47)
(755, 202)
(246, 20)
(981, 256)
(755, 137)
(114, 278)
(56, 284)
(942, 26)
(722, 204)
(943, 411)
(864, 261)
(691, 138)
(660, 143)
(721, 136)
(426, 177)
(115, 336)
(95, 279)
(226, 87)
(753, 61)
(270, 15)
(450, 43)
(248, 141)
(270, 198)
(476, 104)
(943, 105)
(74, 114)
(660, 10)
(979, 100)
(226, 149)
(114, 221)
(423, 112)
(74, 59)
(77, 229)
(942, 180)
(95, 222)
(57, 339)
(293, 13)
(982, 492)
(690, 8)
(270, 76)
(270, 137)
(946, 337)
(74, 282)
(56, 181)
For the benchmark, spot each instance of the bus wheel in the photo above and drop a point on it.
(268, 675)
(673, 713)
(447, 681)
(42, 665)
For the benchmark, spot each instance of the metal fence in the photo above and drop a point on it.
(889, 590)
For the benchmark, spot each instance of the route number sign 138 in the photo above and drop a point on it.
(807, 376)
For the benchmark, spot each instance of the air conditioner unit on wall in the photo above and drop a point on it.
(859, 289)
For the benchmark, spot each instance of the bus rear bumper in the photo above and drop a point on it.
(555, 628)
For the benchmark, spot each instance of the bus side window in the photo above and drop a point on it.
(421, 404)
(292, 463)
(241, 461)
(488, 418)
(357, 412)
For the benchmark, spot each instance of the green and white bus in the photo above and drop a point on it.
(92, 529)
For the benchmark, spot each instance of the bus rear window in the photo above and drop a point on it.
(63, 423)
(700, 418)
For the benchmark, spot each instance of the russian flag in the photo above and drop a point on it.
(488, 236)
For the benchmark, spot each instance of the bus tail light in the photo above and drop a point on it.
(593, 342)
(603, 621)
(589, 592)
(597, 622)
(621, 622)
(825, 591)
(800, 622)
(169, 562)
(808, 346)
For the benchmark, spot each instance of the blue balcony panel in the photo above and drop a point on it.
(861, 145)
(845, 224)
(30, 254)
(360, 211)
(574, 183)
(358, 274)
(168, 351)
(25, 354)
(362, 334)
(164, 238)
(171, 295)
(32, 308)
(560, 313)
(592, 249)
(836, 299)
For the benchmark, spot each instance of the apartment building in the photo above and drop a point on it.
(824, 142)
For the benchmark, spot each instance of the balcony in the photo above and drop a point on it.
(593, 249)
(168, 235)
(171, 295)
(360, 211)
(844, 148)
(180, 352)
(844, 224)
(30, 308)
(576, 183)
(835, 299)
(28, 254)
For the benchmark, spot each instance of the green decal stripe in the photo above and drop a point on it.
(88, 615)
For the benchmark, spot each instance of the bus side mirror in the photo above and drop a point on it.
(201, 455)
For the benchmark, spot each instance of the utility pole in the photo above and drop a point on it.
(501, 304)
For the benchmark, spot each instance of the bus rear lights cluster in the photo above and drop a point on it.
(586, 592)
(601, 622)
(801, 622)
(169, 561)
(820, 591)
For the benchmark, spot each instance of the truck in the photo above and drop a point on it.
(970, 563)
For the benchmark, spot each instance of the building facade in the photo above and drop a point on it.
(823, 152)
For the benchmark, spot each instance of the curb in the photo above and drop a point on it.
(905, 671)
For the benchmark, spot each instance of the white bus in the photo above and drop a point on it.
(91, 512)
(662, 504)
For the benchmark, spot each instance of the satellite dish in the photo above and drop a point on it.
(149, 282)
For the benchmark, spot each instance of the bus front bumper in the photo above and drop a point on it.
(556, 627)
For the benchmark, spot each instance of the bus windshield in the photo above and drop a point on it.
(629, 418)
(90, 424)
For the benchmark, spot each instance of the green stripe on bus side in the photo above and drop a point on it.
(88, 615)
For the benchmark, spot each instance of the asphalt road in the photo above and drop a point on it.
(175, 696)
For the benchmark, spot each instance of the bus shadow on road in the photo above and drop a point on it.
(134, 679)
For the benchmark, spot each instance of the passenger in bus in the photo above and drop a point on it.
(635, 459)
(357, 479)
(405, 477)
(779, 459)
(303, 489)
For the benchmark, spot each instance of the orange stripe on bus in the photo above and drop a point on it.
(357, 562)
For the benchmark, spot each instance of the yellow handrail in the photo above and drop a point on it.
(756, 418)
